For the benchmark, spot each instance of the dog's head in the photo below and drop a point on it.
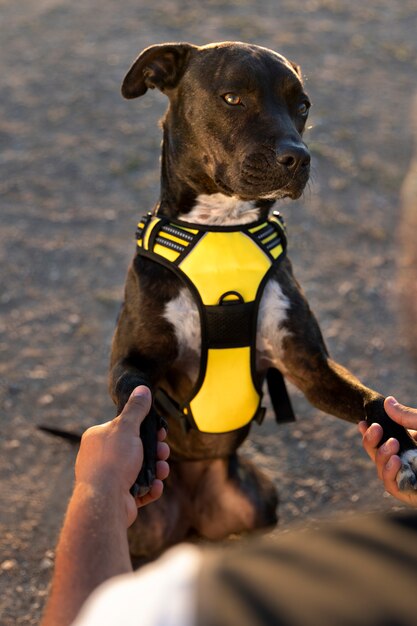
(236, 117)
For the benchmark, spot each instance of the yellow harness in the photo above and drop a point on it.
(225, 268)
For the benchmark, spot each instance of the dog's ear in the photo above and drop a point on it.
(297, 69)
(160, 66)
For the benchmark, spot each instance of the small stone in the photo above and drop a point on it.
(46, 563)
(8, 565)
(39, 373)
(300, 493)
(46, 399)
(110, 215)
(345, 288)
(12, 444)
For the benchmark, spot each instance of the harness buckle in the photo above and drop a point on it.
(167, 406)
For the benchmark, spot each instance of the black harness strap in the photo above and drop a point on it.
(280, 399)
(165, 405)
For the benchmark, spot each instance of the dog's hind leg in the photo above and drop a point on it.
(233, 496)
(161, 524)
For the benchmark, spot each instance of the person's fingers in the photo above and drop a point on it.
(371, 438)
(162, 470)
(383, 455)
(362, 427)
(137, 407)
(162, 451)
(162, 434)
(404, 415)
(389, 473)
(154, 493)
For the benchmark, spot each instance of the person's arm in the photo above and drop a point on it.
(386, 459)
(93, 543)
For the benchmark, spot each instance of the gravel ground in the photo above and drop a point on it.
(80, 164)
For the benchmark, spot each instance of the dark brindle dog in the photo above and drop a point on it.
(232, 146)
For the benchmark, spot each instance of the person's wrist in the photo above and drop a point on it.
(109, 491)
(101, 492)
(97, 501)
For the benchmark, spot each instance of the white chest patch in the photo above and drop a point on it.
(220, 210)
(182, 313)
(271, 331)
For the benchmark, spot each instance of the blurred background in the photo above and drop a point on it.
(79, 165)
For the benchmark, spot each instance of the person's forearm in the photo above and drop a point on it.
(92, 548)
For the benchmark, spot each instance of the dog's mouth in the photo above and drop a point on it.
(251, 193)
(265, 190)
(291, 190)
(261, 177)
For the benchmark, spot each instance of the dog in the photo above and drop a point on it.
(232, 146)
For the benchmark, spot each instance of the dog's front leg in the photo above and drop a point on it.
(144, 348)
(300, 353)
(123, 379)
(126, 373)
(333, 389)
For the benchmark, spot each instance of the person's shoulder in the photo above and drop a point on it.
(334, 574)
(162, 592)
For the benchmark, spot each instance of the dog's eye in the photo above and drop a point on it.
(303, 108)
(232, 99)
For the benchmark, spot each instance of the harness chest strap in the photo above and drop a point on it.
(225, 269)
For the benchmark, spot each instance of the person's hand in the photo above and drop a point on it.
(386, 457)
(111, 456)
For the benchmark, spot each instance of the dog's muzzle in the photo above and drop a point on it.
(284, 172)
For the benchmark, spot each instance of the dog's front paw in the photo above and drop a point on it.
(407, 476)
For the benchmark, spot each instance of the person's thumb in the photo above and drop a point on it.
(137, 407)
(401, 414)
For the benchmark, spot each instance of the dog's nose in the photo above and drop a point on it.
(293, 156)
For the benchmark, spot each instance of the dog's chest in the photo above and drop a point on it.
(182, 312)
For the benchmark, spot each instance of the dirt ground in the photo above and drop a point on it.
(79, 165)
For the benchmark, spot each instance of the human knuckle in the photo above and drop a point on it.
(88, 434)
(93, 432)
